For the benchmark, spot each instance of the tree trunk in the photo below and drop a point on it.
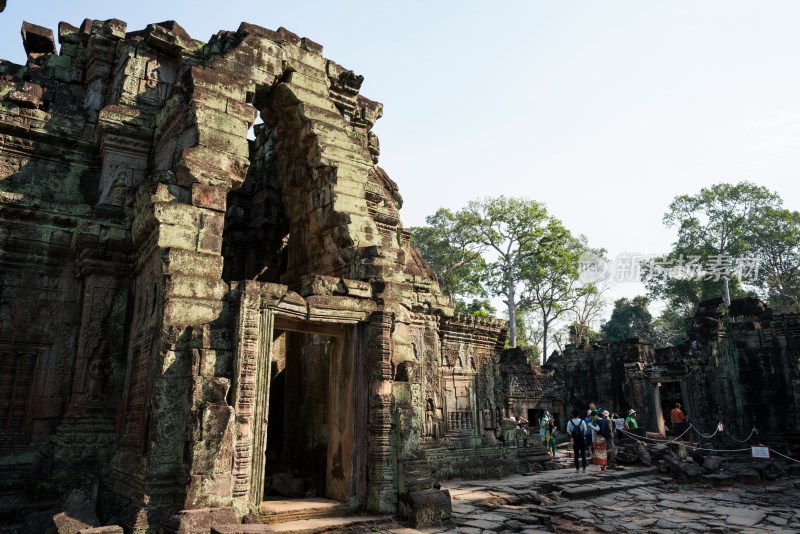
(544, 340)
(726, 292)
(512, 311)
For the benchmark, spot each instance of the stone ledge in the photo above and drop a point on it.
(242, 529)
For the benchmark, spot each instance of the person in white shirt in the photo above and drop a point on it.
(576, 428)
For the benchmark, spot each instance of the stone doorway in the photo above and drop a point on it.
(664, 396)
(313, 417)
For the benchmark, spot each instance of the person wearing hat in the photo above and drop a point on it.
(630, 421)
(611, 452)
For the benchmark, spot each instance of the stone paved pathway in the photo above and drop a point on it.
(635, 499)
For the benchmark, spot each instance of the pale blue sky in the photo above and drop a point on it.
(602, 110)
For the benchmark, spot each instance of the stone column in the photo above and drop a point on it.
(382, 492)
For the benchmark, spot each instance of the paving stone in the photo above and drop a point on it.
(485, 525)
(666, 523)
(745, 518)
(775, 520)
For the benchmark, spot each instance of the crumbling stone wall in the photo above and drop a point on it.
(740, 366)
(159, 269)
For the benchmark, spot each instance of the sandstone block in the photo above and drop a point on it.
(200, 520)
(77, 513)
(429, 507)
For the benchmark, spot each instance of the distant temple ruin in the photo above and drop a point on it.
(740, 366)
(186, 312)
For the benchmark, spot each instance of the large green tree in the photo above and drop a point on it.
(448, 244)
(507, 247)
(513, 230)
(630, 318)
(775, 242)
(717, 225)
(552, 278)
(532, 259)
(589, 304)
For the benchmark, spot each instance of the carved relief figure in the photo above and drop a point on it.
(97, 371)
(116, 182)
(150, 89)
(40, 322)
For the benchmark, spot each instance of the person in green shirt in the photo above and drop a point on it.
(630, 421)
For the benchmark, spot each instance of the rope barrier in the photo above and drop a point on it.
(683, 444)
(684, 432)
(787, 457)
(716, 431)
(720, 428)
(745, 440)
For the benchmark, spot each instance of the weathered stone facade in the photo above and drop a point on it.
(185, 312)
(741, 366)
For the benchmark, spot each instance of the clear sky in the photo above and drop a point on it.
(603, 110)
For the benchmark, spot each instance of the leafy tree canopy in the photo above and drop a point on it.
(630, 318)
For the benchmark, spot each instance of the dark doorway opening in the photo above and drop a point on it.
(296, 463)
(670, 394)
(533, 419)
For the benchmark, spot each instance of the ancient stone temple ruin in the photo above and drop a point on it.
(191, 305)
(740, 366)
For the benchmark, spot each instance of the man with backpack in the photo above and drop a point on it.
(576, 428)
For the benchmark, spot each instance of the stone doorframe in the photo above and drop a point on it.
(264, 308)
(655, 400)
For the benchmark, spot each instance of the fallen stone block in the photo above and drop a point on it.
(712, 463)
(77, 513)
(643, 455)
(200, 520)
(748, 476)
(688, 470)
(110, 529)
(429, 507)
(767, 470)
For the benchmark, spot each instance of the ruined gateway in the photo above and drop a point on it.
(185, 312)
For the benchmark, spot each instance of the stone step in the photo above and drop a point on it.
(326, 524)
(599, 483)
(599, 487)
(275, 511)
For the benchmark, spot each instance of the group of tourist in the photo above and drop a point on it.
(597, 432)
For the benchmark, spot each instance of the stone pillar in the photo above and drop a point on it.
(655, 402)
(253, 341)
(382, 491)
